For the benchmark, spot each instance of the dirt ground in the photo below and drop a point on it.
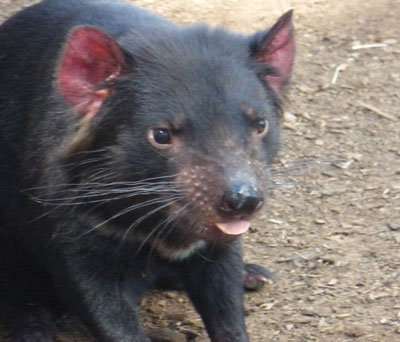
(331, 229)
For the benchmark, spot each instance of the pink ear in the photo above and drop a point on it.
(277, 50)
(89, 59)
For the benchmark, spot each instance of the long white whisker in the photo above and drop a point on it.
(128, 210)
(163, 224)
(147, 215)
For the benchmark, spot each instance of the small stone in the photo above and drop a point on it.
(162, 302)
(354, 330)
(267, 306)
(393, 226)
(289, 117)
(253, 230)
(343, 165)
(309, 312)
(306, 89)
(289, 327)
(306, 115)
(289, 126)
(170, 294)
(176, 315)
(332, 282)
(342, 316)
(155, 309)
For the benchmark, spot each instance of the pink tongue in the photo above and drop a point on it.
(234, 228)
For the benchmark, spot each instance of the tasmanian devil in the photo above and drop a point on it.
(133, 156)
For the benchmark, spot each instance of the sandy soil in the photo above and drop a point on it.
(331, 230)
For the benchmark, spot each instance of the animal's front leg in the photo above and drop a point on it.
(214, 284)
(102, 294)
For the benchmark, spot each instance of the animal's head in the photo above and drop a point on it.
(186, 120)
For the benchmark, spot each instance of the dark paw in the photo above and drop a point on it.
(255, 277)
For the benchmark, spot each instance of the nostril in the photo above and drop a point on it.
(252, 203)
(231, 201)
(245, 200)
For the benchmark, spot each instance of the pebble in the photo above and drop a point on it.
(393, 226)
(155, 309)
(289, 117)
(354, 330)
(176, 315)
(170, 294)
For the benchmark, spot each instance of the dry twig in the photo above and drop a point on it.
(368, 46)
(377, 111)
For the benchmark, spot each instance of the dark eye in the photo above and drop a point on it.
(262, 127)
(160, 137)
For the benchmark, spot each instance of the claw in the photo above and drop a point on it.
(255, 277)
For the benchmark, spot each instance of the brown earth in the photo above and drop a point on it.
(331, 232)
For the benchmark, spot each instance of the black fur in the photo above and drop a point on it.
(63, 246)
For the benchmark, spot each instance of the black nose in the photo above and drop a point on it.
(242, 198)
